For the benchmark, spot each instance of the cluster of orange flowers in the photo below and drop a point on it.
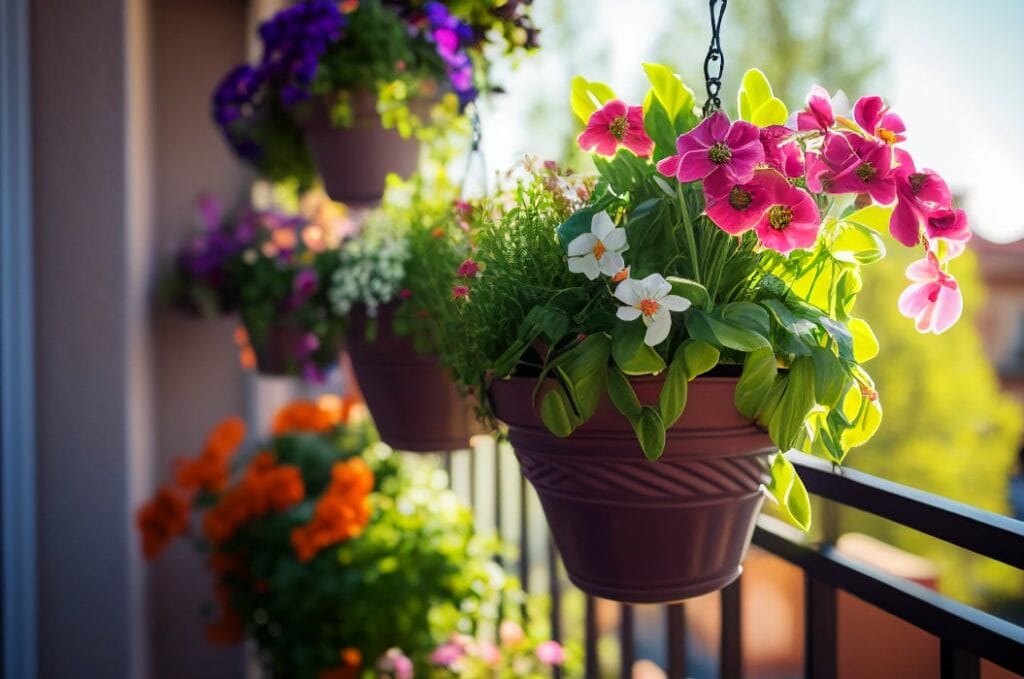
(341, 513)
(162, 519)
(266, 486)
(318, 417)
(210, 470)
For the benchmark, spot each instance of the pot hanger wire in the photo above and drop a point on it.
(714, 62)
(474, 178)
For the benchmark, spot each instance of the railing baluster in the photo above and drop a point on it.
(472, 481)
(592, 667)
(524, 535)
(555, 591)
(957, 663)
(627, 644)
(497, 497)
(676, 640)
(731, 649)
(820, 629)
(447, 457)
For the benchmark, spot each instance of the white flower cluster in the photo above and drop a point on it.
(371, 273)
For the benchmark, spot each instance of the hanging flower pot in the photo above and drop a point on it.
(638, 531)
(285, 349)
(354, 160)
(414, 403)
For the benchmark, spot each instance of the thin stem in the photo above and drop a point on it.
(691, 242)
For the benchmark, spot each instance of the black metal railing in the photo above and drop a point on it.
(966, 634)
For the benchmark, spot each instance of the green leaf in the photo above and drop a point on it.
(551, 323)
(662, 129)
(699, 357)
(646, 361)
(829, 378)
(650, 432)
(669, 89)
(691, 290)
(864, 415)
(759, 374)
(865, 344)
(786, 318)
(747, 315)
(709, 329)
(627, 338)
(578, 223)
(583, 371)
(585, 97)
(772, 401)
(788, 419)
(620, 391)
(839, 332)
(855, 243)
(789, 491)
(556, 412)
(672, 399)
(874, 217)
(757, 103)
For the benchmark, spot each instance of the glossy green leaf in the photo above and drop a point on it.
(583, 372)
(830, 380)
(865, 344)
(627, 338)
(786, 318)
(577, 224)
(585, 97)
(864, 415)
(789, 491)
(661, 128)
(669, 89)
(856, 244)
(556, 411)
(705, 327)
(650, 432)
(672, 399)
(796, 403)
(759, 374)
(646, 361)
(747, 315)
(699, 357)
(757, 103)
(691, 290)
(771, 402)
(621, 393)
(874, 217)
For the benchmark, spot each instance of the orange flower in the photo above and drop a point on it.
(162, 519)
(316, 417)
(265, 486)
(210, 469)
(351, 657)
(341, 513)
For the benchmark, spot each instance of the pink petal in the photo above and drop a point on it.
(914, 299)
(868, 112)
(934, 189)
(719, 128)
(637, 141)
(948, 224)
(905, 225)
(947, 309)
(669, 166)
(695, 165)
(924, 270)
(819, 106)
(601, 138)
(614, 109)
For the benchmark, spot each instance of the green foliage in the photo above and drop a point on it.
(950, 430)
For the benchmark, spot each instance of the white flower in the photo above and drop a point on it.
(650, 299)
(600, 251)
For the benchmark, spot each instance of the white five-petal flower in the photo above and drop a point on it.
(600, 251)
(650, 299)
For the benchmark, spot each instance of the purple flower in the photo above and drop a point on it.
(451, 37)
(304, 285)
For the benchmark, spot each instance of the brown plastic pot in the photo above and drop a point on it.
(638, 531)
(414, 402)
(276, 354)
(354, 161)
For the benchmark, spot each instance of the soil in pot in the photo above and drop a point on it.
(637, 531)
(414, 402)
(354, 161)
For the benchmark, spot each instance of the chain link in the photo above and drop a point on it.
(714, 63)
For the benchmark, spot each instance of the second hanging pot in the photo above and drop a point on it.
(638, 531)
(412, 399)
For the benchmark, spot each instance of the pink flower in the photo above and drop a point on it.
(510, 632)
(920, 197)
(551, 653)
(790, 219)
(614, 124)
(447, 654)
(933, 299)
(876, 119)
(305, 283)
(460, 292)
(210, 210)
(396, 661)
(780, 152)
(849, 163)
(405, 293)
(716, 145)
(487, 652)
(736, 207)
(819, 114)
(468, 269)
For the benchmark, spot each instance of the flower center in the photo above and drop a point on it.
(739, 198)
(917, 181)
(720, 153)
(887, 136)
(618, 127)
(780, 216)
(866, 171)
(648, 307)
(599, 249)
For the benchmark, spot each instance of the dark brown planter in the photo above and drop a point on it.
(414, 402)
(354, 161)
(638, 531)
(276, 354)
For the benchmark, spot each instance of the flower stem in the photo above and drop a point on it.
(691, 242)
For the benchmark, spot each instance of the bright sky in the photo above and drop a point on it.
(954, 75)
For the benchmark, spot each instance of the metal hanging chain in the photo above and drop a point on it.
(714, 63)
(475, 157)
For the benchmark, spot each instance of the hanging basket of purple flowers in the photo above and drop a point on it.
(345, 90)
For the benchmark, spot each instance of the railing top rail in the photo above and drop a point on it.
(998, 537)
(967, 628)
